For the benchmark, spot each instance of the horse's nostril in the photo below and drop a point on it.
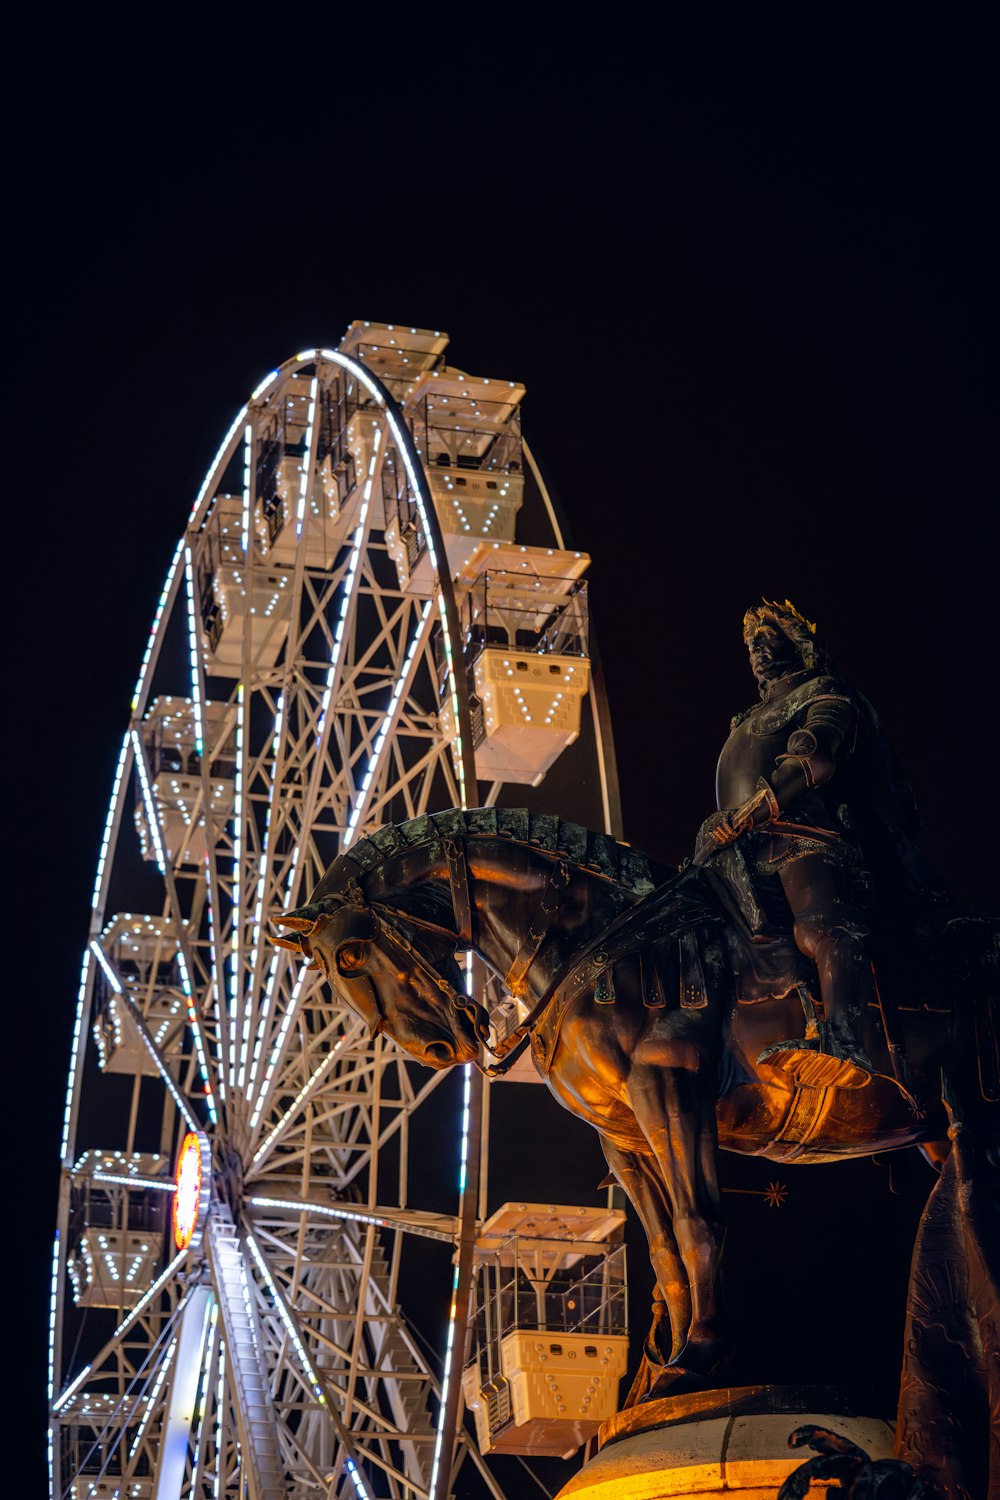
(439, 1052)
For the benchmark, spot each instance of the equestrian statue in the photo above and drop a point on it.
(804, 989)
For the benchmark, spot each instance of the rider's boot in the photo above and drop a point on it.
(834, 1055)
(831, 1059)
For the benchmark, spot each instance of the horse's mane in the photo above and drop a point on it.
(582, 847)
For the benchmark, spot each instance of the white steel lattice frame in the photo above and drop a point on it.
(336, 731)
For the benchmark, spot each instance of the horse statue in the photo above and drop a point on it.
(649, 1004)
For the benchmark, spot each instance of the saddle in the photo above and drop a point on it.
(764, 957)
(658, 950)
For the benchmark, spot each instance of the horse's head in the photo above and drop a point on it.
(395, 975)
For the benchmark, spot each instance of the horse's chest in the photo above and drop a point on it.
(602, 1109)
(588, 1074)
(581, 1082)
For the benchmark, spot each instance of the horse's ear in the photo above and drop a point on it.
(293, 920)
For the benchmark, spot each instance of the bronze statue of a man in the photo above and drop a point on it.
(799, 784)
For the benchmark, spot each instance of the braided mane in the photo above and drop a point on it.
(598, 853)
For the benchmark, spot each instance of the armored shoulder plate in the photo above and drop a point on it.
(769, 718)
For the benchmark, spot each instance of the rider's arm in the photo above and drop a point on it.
(812, 752)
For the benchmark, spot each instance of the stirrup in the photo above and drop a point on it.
(811, 1066)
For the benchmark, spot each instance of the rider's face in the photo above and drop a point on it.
(771, 653)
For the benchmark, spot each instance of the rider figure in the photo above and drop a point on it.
(781, 786)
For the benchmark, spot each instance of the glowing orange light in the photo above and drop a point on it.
(187, 1194)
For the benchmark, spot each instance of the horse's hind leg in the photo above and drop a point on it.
(675, 1109)
(639, 1177)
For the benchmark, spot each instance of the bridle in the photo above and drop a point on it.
(385, 925)
(387, 920)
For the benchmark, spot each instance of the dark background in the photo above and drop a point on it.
(743, 279)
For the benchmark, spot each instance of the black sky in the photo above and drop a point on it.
(746, 293)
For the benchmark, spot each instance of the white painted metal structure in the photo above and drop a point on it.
(298, 688)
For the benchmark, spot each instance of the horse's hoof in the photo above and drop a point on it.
(807, 1067)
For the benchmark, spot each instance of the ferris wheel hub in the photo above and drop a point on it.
(227, 1174)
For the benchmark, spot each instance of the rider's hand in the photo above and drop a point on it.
(717, 832)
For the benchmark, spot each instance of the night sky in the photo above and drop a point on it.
(745, 296)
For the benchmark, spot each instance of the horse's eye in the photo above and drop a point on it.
(352, 956)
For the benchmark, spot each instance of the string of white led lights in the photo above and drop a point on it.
(362, 1216)
(283, 1313)
(389, 720)
(236, 916)
(453, 1309)
(154, 634)
(276, 1051)
(257, 924)
(154, 1394)
(157, 1184)
(350, 1036)
(220, 1398)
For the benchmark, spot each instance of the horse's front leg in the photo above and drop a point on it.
(674, 1107)
(639, 1177)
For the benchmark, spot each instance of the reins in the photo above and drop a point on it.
(456, 863)
(605, 948)
(609, 944)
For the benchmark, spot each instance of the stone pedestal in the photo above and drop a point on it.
(726, 1442)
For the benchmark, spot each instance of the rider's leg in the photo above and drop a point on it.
(830, 931)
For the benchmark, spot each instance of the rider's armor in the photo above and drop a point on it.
(780, 765)
(783, 774)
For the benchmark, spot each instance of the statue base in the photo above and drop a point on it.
(732, 1441)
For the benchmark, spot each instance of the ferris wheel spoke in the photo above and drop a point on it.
(185, 958)
(341, 1382)
(402, 779)
(390, 721)
(432, 1226)
(348, 606)
(308, 1373)
(352, 1034)
(145, 1036)
(130, 1412)
(124, 1327)
(300, 991)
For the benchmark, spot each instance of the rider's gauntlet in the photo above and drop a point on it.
(728, 826)
(761, 808)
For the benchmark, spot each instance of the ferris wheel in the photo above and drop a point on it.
(349, 635)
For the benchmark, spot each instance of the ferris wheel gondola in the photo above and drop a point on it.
(348, 635)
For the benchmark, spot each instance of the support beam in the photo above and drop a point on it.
(179, 1419)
